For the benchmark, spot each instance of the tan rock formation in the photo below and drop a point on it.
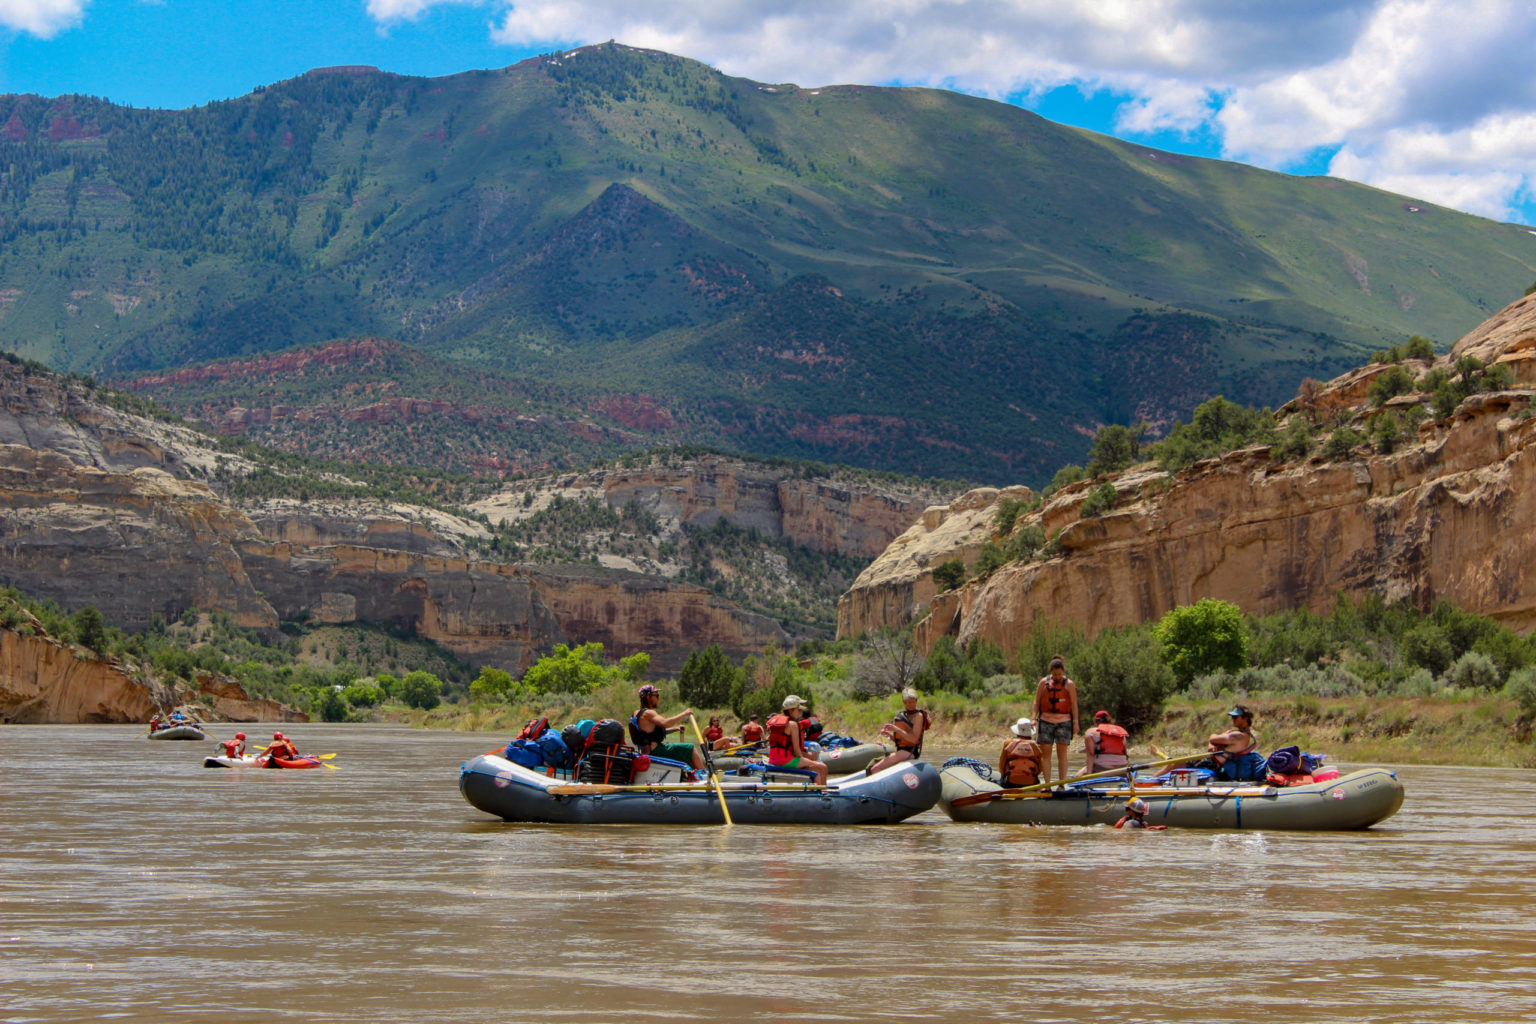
(1447, 517)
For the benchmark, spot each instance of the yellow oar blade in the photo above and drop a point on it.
(332, 767)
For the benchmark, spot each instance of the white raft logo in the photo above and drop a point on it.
(1337, 794)
(910, 779)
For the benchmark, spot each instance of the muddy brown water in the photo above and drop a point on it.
(136, 885)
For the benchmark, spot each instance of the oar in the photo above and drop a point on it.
(1005, 794)
(709, 765)
(597, 788)
(739, 747)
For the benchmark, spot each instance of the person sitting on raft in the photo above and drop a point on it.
(1022, 756)
(1236, 751)
(234, 747)
(906, 731)
(282, 747)
(785, 747)
(752, 730)
(154, 723)
(648, 730)
(1136, 816)
(1106, 745)
(716, 738)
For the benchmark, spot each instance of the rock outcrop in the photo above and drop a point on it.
(1447, 515)
(778, 501)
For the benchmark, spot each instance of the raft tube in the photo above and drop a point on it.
(248, 761)
(842, 761)
(1354, 801)
(179, 732)
(493, 784)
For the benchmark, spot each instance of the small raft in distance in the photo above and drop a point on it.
(179, 732)
(1357, 800)
(493, 784)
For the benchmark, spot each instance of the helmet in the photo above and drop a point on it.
(239, 735)
(277, 735)
(1137, 805)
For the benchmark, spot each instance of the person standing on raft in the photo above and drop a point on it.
(1056, 711)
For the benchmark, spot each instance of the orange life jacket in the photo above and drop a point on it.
(780, 750)
(1111, 739)
(751, 732)
(1021, 763)
(1057, 700)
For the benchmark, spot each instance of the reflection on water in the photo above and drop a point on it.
(137, 886)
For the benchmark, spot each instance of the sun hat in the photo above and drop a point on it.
(1024, 728)
(793, 702)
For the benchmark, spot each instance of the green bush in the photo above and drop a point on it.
(990, 557)
(1419, 347)
(1474, 671)
(1295, 441)
(1008, 512)
(1114, 448)
(1342, 443)
(90, 628)
(1122, 671)
(1216, 427)
(1200, 638)
(949, 575)
(1100, 500)
(1387, 386)
(1387, 434)
(330, 705)
(421, 690)
(1065, 476)
(706, 678)
(363, 695)
(493, 684)
(1521, 686)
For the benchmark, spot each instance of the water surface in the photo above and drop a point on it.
(136, 885)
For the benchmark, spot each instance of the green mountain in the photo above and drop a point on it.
(905, 279)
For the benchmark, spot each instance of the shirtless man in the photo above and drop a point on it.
(1236, 751)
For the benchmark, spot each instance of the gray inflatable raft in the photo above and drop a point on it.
(1354, 801)
(493, 784)
(179, 732)
(842, 761)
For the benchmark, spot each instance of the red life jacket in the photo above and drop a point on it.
(713, 733)
(780, 751)
(231, 748)
(751, 732)
(1111, 738)
(1057, 700)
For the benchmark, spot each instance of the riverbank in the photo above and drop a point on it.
(1460, 729)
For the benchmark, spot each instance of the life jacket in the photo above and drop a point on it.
(910, 720)
(231, 748)
(1020, 764)
(810, 728)
(1111, 738)
(752, 732)
(535, 728)
(780, 750)
(713, 733)
(1057, 700)
(643, 739)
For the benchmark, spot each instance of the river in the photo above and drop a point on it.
(136, 885)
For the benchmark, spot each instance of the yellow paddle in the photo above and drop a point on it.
(709, 764)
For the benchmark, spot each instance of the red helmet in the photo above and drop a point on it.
(277, 735)
(239, 735)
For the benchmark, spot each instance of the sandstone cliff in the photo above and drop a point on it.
(1447, 515)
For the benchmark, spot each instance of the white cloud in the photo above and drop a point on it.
(43, 18)
(1395, 86)
(390, 11)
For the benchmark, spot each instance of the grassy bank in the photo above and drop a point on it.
(1456, 729)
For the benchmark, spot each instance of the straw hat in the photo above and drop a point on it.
(1024, 728)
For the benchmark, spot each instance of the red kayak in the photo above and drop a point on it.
(268, 761)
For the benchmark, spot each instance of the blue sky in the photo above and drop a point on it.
(1430, 98)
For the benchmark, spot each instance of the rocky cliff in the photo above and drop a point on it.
(1445, 515)
(101, 506)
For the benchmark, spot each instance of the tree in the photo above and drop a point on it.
(706, 678)
(421, 690)
(1114, 448)
(493, 684)
(91, 628)
(949, 575)
(887, 663)
(1202, 638)
(363, 695)
(1123, 672)
(330, 705)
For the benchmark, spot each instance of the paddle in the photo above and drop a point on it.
(728, 751)
(1006, 794)
(709, 765)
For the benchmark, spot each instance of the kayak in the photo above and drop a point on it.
(179, 732)
(492, 784)
(1357, 800)
(261, 761)
(841, 761)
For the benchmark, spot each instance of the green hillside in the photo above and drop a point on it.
(906, 279)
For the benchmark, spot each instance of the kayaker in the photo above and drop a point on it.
(1056, 712)
(1236, 751)
(1106, 745)
(906, 731)
(282, 747)
(785, 747)
(235, 747)
(1022, 756)
(1136, 816)
(648, 730)
(752, 730)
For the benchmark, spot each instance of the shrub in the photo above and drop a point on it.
(1474, 671)
(1342, 443)
(330, 706)
(1203, 637)
(1387, 386)
(706, 678)
(946, 669)
(90, 628)
(990, 557)
(1295, 442)
(1522, 688)
(363, 695)
(1123, 672)
(1426, 645)
(1388, 433)
(493, 684)
(1099, 501)
(1216, 427)
(1008, 512)
(1419, 347)
(1066, 475)
(949, 575)
(1114, 448)
(1023, 544)
(567, 670)
(421, 690)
